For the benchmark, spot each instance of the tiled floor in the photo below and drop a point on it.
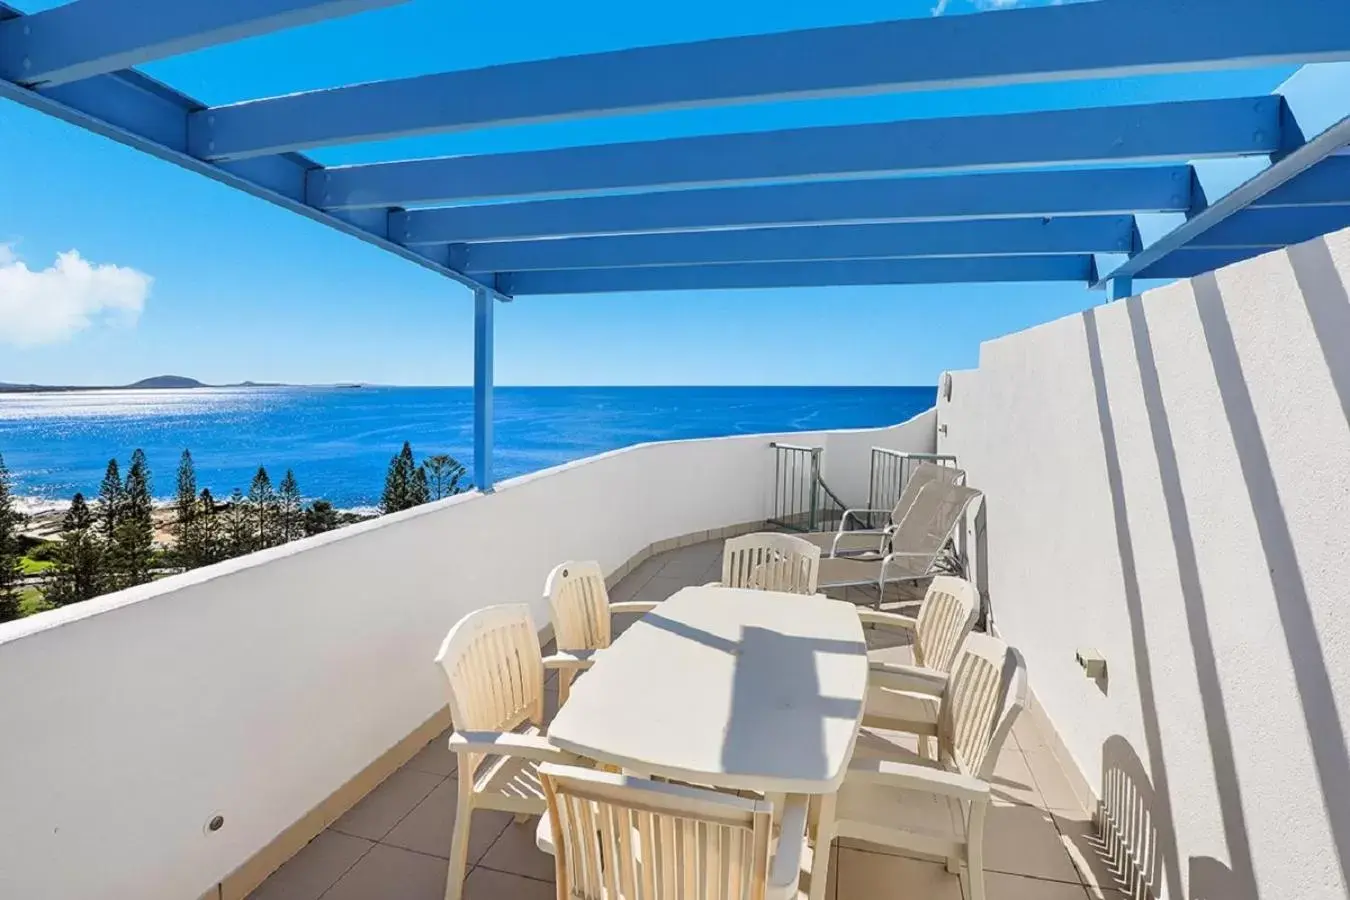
(393, 845)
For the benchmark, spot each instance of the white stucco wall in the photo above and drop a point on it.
(255, 688)
(1168, 481)
(848, 454)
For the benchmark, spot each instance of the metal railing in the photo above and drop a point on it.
(802, 501)
(890, 473)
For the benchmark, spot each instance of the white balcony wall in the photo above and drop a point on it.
(848, 454)
(255, 688)
(1168, 482)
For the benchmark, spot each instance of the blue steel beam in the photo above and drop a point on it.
(1015, 46)
(1160, 132)
(999, 195)
(1325, 184)
(93, 37)
(1187, 263)
(483, 337)
(1315, 123)
(799, 274)
(1264, 229)
(999, 237)
(145, 115)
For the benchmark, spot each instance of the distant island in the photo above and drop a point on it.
(157, 383)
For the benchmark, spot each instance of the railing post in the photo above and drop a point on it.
(482, 389)
(813, 524)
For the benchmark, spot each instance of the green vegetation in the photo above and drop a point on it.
(10, 569)
(110, 544)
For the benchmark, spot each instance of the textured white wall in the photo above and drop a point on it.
(848, 454)
(1168, 481)
(255, 688)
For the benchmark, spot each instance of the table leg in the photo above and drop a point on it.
(820, 821)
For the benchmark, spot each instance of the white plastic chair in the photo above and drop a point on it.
(946, 617)
(938, 807)
(621, 837)
(769, 561)
(582, 616)
(495, 674)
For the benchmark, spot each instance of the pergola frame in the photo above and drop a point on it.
(1096, 195)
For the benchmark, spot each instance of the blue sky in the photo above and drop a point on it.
(244, 290)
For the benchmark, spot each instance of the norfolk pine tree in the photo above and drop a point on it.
(290, 514)
(134, 536)
(262, 501)
(10, 572)
(445, 472)
(187, 521)
(79, 565)
(240, 526)
(110, 500)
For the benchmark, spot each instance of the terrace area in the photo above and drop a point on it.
(1166, 475)
(1041, 843)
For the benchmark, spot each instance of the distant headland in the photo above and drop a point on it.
(157, 383)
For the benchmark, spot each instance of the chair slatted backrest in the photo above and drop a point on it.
(619, 837)
(579, 604)
(947, 615)
(494, 670)
(924, 474)
(987, 690)
(768, 561)
(931, 521)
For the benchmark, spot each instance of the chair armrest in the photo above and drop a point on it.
(855, 513)
(633, 606)
(913, 777)
(786, 865)
(913, 679)
(506, 743)
(887, 620)
(570, 659)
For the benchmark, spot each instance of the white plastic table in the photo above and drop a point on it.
(742, 689)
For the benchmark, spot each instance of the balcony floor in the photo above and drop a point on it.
(393, 845)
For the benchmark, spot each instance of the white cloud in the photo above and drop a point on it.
(52, 304)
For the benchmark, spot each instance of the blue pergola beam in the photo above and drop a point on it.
(1000, 237)
(800, 274)
(1315, 123)
(1009, 47)
(1160, 132)
(145, 115)
(483, 349)
(93, 37)
(1265, 229)
(1000, 195)
(1325, 184)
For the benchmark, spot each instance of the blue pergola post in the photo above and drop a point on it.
(1119, 288)
(482, 389)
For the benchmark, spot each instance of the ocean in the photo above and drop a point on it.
(339, 440)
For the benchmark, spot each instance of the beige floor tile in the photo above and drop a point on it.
(382, 808)
(436, 757)
(515, 852)
(1028, 737)
(1013, 780)
(690, 561)
(1016, 887)
(878, 876)
(1056, 793)
(660, 587)
(389, 873)
(1023, 840)
(488, 884)
(428, 827)
(1090, 856)
(315, 869)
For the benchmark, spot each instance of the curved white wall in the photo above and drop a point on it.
(1168, 481)
(255, 688)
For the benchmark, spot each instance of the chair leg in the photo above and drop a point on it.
(459, 847)
(564, 687)
(976, 867)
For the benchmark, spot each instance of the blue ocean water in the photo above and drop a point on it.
(339, 440)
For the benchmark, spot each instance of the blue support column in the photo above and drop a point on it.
(1119, 288)
(482, 389)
